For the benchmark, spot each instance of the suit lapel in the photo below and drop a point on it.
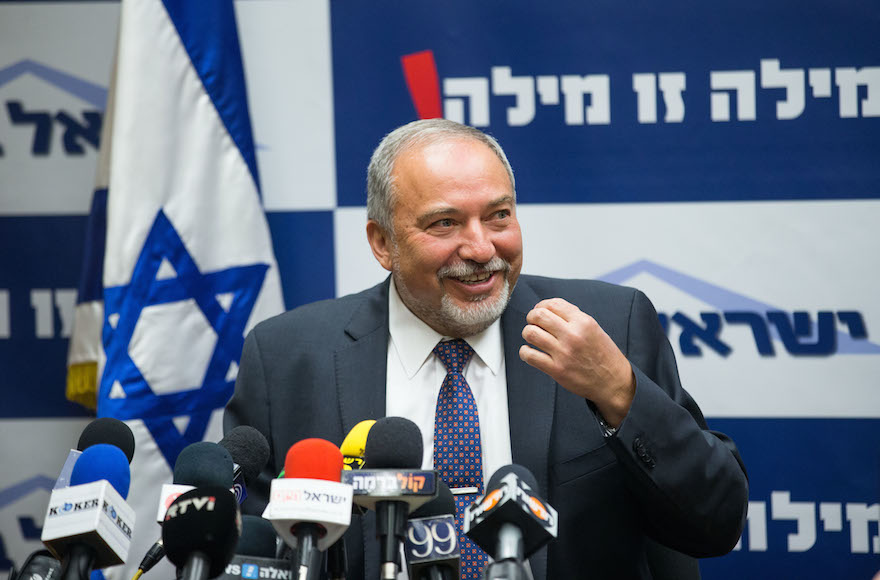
(361, 374)
(531, 397)
(361, 365)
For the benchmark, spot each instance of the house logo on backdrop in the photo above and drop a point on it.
(661, 96)
(800, 333)
(19, 532)
(37, 127)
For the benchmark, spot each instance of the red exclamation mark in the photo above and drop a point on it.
(420, 72)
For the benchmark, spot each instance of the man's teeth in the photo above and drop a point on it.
(475, 278)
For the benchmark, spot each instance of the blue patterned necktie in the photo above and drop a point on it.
(458, 455)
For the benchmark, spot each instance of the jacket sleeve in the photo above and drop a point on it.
(249, 405)
(690, 482)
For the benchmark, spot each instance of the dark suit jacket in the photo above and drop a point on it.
(318, 370)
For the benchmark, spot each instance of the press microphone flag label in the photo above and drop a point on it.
(294, 500)
(171, 491)
(416, 487)
(429, 540)
(90, 509)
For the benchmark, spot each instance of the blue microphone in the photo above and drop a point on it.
(88, 524)
(103, 461)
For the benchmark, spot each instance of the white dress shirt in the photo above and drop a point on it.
(415, 376)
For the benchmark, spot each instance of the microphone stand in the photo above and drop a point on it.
(307, 564)
(196, 567)
(77, 563)
(509, 562)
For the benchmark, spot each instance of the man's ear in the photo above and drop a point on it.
(380, 243)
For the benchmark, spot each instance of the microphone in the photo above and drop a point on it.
(200, 532)
(108, 430)
(199, 464)
(104, 430)
(352, 449)
(510, 522)
(255, 555)
(250, 453)
(355, 444)
(39, 565)
(309, 507)
(88, 524)
(392, 484)
(431, 546)
(258, 537)
(204, 464)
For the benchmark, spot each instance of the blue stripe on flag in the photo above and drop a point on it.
(209, 34)
(91, 283)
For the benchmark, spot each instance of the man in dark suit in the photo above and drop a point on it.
(574, 380)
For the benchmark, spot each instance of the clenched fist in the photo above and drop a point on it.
(570, 346)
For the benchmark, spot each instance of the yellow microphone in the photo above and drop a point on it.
(352, 447)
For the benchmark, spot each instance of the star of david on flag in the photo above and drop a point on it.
(208, 312)
(179, 263)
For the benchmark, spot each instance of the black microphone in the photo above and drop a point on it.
(199, 464)
(250, 454)
(200, 532)
(255, 555)
(258, 537)
(431, 546)
(88, 524)
(108, 430)
(392, 484)
(104, 430)
(39, 565)
(204, 464)
(510, 522)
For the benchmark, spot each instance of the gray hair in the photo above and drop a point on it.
(380, 181)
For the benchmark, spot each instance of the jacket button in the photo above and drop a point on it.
(642, 453)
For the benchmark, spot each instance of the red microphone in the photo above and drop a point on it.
(309, 507)
(313, 459)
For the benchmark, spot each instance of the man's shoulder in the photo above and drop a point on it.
(331, 315)
(575, 290)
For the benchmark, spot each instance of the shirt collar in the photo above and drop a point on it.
(415, 340)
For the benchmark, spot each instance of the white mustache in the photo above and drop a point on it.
(462, 269)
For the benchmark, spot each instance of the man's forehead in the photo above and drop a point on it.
(420, 147)
(451, 155)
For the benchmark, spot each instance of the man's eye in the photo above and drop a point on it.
(502, 214)
(444, 223)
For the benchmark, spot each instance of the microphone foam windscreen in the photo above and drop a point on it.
(258, 538)
(203, 463)
(103, 461)
(395, 443)
(206, 520)
(248, 448)
(521, 472)
(313, 459)
(442, 505)
(355, 442)
(108, 430)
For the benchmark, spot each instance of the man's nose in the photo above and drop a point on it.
(476, 244)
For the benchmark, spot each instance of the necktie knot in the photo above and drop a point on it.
(454, 354)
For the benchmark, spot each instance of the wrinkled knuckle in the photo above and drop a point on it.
(536, 315)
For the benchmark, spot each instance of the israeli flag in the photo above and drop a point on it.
(179, 263)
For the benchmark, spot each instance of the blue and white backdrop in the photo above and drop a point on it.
(723, 157)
